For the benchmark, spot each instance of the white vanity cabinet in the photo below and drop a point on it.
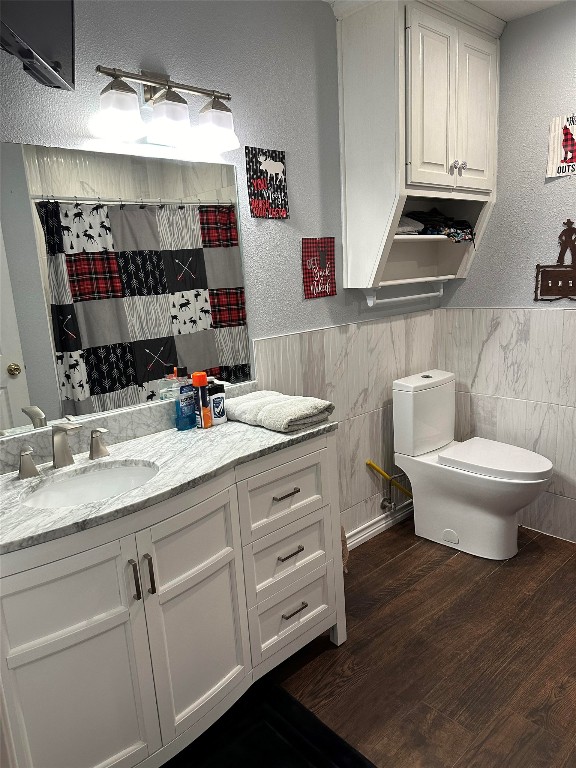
(122, 643)
(452, 104)
(193, 591)
(76, 672)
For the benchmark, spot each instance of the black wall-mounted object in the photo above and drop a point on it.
(41, 34)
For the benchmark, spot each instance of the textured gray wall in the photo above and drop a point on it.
(278, 59)
(537, 83)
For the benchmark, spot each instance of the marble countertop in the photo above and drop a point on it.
(184, 459)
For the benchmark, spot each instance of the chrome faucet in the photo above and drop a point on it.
(62, 455)
(98, 448)
(27, 467)
(36, 416)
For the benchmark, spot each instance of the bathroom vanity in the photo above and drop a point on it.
(129, 625)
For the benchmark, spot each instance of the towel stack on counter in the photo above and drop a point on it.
(434, 222)
(280, 413)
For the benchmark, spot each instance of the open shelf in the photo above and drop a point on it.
(405, 281)
(426, 239)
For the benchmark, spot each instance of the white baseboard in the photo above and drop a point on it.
(374, 527)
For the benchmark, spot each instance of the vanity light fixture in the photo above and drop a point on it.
(170, 121)
(119, 114)
(216, 127)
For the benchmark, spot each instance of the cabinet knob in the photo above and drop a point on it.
(464, 165)
(14, 369)
(456, 164)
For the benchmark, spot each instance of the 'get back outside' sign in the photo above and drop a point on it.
(562, 146)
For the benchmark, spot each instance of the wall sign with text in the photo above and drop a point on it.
(266, 179)
(562, 146)
(318, 267)
(558, 281)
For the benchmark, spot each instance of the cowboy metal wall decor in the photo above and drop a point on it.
(558, 281)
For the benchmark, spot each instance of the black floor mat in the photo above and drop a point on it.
(267, 728)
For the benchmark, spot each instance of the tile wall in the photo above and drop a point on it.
(516, 382)
(354, 367)
(515, 379)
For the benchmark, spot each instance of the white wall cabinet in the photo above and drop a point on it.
(418, 120)
(121, 654)
(452, 94)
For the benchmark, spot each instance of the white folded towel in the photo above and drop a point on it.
(280, 413)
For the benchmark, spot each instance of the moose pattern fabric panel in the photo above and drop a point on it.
(135, 289)
(85, 228)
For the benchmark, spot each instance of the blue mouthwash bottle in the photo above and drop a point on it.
(185, 405)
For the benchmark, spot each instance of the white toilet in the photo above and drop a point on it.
(466, 495)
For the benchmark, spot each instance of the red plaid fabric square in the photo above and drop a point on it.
(318, 267)
(93, 276)
(218, 226)
(228, 307)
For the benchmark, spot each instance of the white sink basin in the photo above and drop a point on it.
(95, 484)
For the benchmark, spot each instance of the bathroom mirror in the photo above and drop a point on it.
(113, 268)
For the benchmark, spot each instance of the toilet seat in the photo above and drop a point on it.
(494, 459)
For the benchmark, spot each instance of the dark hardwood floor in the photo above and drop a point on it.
(451, 660)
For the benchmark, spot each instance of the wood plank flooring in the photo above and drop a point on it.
(452, 661)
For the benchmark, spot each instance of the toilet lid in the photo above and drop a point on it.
(493, 459)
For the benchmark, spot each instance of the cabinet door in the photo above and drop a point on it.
(477, 110)
(76, 669)
(431, 99)
(195, 609)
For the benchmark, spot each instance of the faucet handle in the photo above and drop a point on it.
(27, 468)
(97, 447)
(66, 427)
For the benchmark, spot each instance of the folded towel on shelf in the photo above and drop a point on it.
(278, 412)
(408, 226)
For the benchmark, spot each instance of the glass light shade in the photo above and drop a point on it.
(119, 114)
(216, 128)
(170, 123)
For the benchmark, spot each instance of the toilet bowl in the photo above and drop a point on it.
(466, 494)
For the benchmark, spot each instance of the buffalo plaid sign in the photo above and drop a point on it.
(562, 146)
(318, 267)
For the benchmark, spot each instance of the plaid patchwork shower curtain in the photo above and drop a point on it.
(135, 288)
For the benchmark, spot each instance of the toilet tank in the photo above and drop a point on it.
(424, 410)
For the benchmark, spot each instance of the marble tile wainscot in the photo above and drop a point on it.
(123, 424)
(515, 372)
(353, 366)
(516, 382)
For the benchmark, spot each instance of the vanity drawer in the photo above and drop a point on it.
(283, 617)
(283, 557)
(280, 496)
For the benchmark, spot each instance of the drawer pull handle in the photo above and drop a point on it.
(286, 495)
(134, 564)
(152, 587)
(287, 616)
(293, 554)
